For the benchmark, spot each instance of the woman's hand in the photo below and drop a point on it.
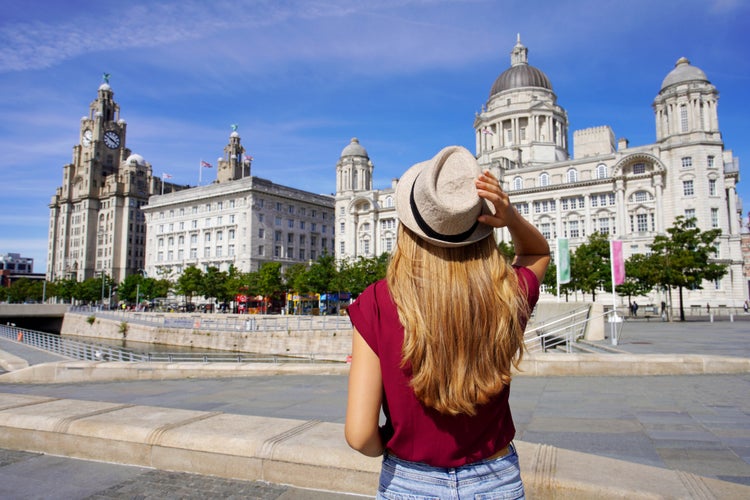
(488, 187)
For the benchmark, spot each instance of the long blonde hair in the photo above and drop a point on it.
(462, 312)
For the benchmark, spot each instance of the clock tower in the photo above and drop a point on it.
(96, 225)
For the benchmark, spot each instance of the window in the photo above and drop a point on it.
(230, 250)
(687, 188)
(517, 183)
(291, 209)
(231, 234)
(277, 236)
(604, 225)
(219, 235)
(207, 238)
(278, 206)
(342, 247)
(642, 222)
(710, 162)
(302, 224)
(544, 179)
(193, 253)
(290, 223)
(714, 217)
(261, 250)
(278, 221)
(342, 227)
(572, 175)
(690, 214)
(687, 162)
(683, 118)
(290, 238)
(207, 252)
(193, 238)
(639, 168)
(219, 251)
(641, 196)
(712, 187)
(219, 205)
(544, 228)
(574, 229)
(601, 171)
(194, 224)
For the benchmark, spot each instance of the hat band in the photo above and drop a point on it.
(448, 238)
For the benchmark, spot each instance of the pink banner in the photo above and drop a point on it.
(618, 264)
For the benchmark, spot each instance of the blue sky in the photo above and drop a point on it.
(302, 77)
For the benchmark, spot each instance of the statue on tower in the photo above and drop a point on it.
(105, 78)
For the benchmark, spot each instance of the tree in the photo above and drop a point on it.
(323, 275)
(213, 283)
(269, 281)
(590, 265)
(641, 276)
(65, 289)
(189, 283)
(685, 257)
(295, 277)
(508, 250)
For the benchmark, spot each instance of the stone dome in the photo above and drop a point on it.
(683, 72)
(521, 73)
(354, 149)
(135, 159)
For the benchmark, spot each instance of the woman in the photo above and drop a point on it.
(433, 343)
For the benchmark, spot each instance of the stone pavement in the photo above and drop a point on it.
(693, 423)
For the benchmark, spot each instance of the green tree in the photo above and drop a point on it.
(295, 277)
(213, 284)
(323, 275)
(507, 249)
(685, 257)
(270, 282)
(189, 283)
(641, 276)
(65, 289)
(590, 265)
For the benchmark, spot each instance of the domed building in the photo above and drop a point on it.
(365, 218)
(631, 193)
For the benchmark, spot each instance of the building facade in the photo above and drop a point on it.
(96, 225)
(366, 218)
(237, 220)
(631, 193)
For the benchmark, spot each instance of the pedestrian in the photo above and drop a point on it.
(746, 305)
(635, 308)
(433, 344)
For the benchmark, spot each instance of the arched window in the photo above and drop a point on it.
(601, 171)
(544, 179)
(572, 175)
(517, 183)
(389, 201)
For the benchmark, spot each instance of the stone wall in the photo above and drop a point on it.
(330, 344)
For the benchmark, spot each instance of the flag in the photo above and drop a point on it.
(248, 158)
(563, 261)
(165, 175)
(618, 264)
(206, 164)
(487, 131)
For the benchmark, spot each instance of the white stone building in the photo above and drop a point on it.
(237, 220)
(366, 218)
(631, 193)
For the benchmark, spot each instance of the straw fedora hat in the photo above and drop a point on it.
(437, 199)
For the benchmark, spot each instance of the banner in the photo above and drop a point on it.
(563, 261)
(618, 263)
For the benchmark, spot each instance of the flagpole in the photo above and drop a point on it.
(200, 171)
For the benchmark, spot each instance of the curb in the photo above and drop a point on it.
(536, 365)
(303, 454)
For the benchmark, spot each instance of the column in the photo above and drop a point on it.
(588, 222)
(622, 212)
(732, 194)
(658, 190)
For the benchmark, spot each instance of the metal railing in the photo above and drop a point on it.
(563, 330)
(76, 349)
(222, 322)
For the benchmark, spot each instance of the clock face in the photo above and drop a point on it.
(87, 137)
(111, 139)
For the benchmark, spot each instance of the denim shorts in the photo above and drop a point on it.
(484, 480)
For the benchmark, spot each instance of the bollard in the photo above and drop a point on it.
(712, 317)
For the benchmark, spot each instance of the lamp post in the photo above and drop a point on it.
(102, 289)
(137, 295)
